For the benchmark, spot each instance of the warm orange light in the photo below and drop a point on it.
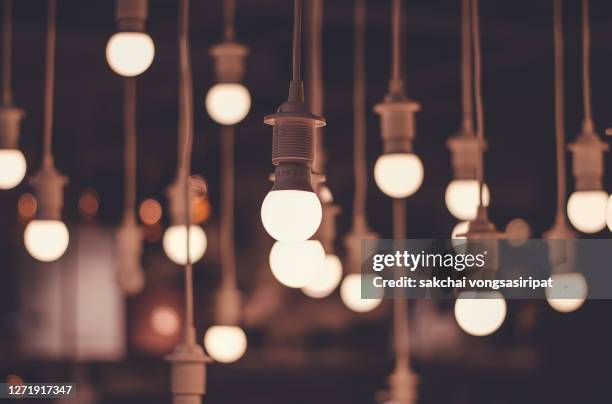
(27, 206)
(89, 203)
(150, 211)
(14, 380)
(200, 210)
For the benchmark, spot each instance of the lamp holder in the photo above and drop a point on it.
(48, 186)
(229, 61)
(188, 373)
(397, 127)
(464, 155)
(403, 386)
(588, 162)
(353, 243)
(326, 233)
(131, 15)
(175, 193)
(130, 275)
(228, 306)
(10, 119)
(561, 247)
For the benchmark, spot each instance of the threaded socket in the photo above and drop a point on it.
(292, 141)
(229, 61)
(588, 162)
(397, 127)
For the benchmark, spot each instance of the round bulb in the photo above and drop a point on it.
(175, 243)
(225, 343)
(609, 213)
(291, 215)
(586, 210)
(228, 103)
(165, 321)
(462, 198)
(12, 168)
(130, 53)
(571, 285)
(46, 240)
(350, 292)
(398, 175)
(296, 264)
(326, 279)
(480, 315)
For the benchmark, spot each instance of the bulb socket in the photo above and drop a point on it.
(188, 373)
(131, 15)
(49, 186)
(403, 386)
(588, 161)
(228, 304)
(10, 119)
(292, 176)
(397, 127)
(464, 156)
(229, 61)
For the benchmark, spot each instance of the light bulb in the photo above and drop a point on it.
(326, 279)
(296, 264)
(175, 243)
(398, 175)
(480, 313)
(46, 240)
(12, 168)
(462, 198)
(130, 53)
(291, 215)
(350, 292)
(586, 210)
(572, 286)
(228, 103)
(225, 343)
(165, 321)
(609, 213)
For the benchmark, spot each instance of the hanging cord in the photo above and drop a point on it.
(49, 85)
(315, 79)
(228, 264)
(478, 96)
(129, 128)
(7, 40)
(400, 312)
(587, 123)
(229, 16)
(297, 41)
(559, 113)
(466, 71)
(396, 86)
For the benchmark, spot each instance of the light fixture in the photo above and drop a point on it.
(291, 211)
(462, 197)
(46, 237)
(295, 265)
(12, 161)
(350, 293)
(225, 341)
(130, 51)
(326, 279)
(480, 313)
(175, 238)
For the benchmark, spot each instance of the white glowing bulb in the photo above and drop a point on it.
(225, 343)
(398, 175)
(12, 168)
(327, 278)
(130, 53)
(609, 213)
(165, 321)
(46, 240)
(296, 264)
(480, 313)
(462, 198)
(175, 243)
(291, 215)
(573, 289)
(350, 292)
(228, 103)
(586, 210)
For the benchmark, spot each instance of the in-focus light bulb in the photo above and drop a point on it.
(480, 313)
(228, 103)
(130, 53)
(571, 292)
(326, 279)
(46, 240)
(398, 175)
(12, 168)
(296, 264)
(225, 343)
(586, 210)
(291, 215)
(175, 243)
(462, 198)
(350, 292)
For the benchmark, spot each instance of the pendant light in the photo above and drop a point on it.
(188, 373)
(350, 289)
(12, 160)
(130, 51)
(586, 207)
(291, 211)
(46, 237)
(228, 101)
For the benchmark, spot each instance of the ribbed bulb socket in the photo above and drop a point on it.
(397, 127)
(229, 61)
(588, 161)
(49, 186)
(188, 373)
(131, 15)
(464, 156)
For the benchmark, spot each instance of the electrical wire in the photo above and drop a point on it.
(396, 75)
(229, 16)
(315, 79)
(559, 109)
(478, 99)
(400, 312)
(129, 122)
(297, 41)
(587, 123)
(49, 84)
(466, 71)
(228, 263)
(7, 40)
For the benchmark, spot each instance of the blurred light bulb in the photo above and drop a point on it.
(46, 240)
(326, 279)
(175, 243)
(609, 213)
(296, 264)
(228, 103)
(130, 53)
(398, 175)
(12, 168)
(572, 287)
(350, 292)
(586, 210)
(462, 198)
(291, 215)
(225, 343)
(165, 321)
(480, 313)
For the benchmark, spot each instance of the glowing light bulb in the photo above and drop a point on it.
(350, 292)
(326, 279)
(462, 198)
(586, 210)
(291, 215)
(296, 264)
(175, 243)
(480, 313)
(165, 321)
(398, 175)
(568, 293)
(228, 103)
(225, 343)
(12, 168)
(46, 240)
(609, 213)
(130, 53)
